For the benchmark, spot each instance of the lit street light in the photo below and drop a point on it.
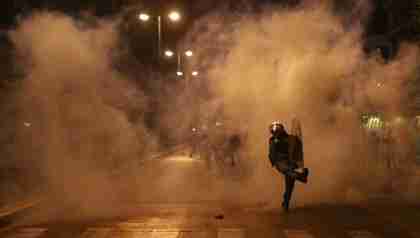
(173, 16)
(144, 17)
(169, 53)
(189, 53)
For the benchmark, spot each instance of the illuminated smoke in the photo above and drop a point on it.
(78, 106)
(284, 63)
(305, 63)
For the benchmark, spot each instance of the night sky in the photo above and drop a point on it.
(191, 10)
(10, 8)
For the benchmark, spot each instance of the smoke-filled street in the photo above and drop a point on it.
(200, 211)
(202, 203)
(270, 118)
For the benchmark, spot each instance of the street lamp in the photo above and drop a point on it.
(173, 16)
(144, 17)
(169, 53)
(189, 53)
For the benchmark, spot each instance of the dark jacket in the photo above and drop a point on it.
(278, 148)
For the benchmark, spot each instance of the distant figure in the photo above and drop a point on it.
(232, 147)
(286, 155)
(196, 139)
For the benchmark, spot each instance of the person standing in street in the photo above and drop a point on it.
(286, 155)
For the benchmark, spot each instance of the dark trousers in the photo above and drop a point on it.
(289, 182)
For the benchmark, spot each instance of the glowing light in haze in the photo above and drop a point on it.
(169, 53)
(189, 53)
(144, 17)
(174, 16)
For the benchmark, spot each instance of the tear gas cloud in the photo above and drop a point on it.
(306, 63)
(78, 105)
(280, 64)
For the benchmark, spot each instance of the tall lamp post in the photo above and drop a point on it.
(173, 16)
(187, 53)
(180, 54)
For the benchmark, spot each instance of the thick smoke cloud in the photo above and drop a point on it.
(305, 63)
(77, 105)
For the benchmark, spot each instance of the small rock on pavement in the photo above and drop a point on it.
(220, 217)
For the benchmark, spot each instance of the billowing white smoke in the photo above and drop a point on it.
(303, 63)
(281, 64)
(77, 105)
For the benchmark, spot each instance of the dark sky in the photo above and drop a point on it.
(194, 8)
(191, 9)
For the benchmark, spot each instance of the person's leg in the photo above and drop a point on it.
(303, 176)
(289, 185)
(285, 195)
(300, 176)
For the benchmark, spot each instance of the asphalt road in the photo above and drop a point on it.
(200, 210)
(205, 221)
